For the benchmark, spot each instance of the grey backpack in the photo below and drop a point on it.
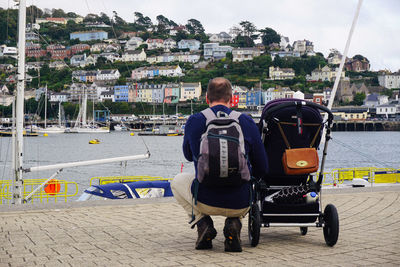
(222, 160)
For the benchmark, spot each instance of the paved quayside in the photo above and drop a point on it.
(154, 232)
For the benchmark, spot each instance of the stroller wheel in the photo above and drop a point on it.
(331, 228)
(303, 230)
(254, 225)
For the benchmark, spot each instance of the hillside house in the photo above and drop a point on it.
(324, 74)
(106, 75)
(389, 80)
(221, 37)
(89, 35)
(133, 43)
(98, 47)
(245, 53)
(134, 55)
(216, 51)
(281, 73)
(58, 65)
(34, 50)
(154, 43)
(190, 44)
(58, 51)
(357, 65)
(78, 48)
(284, 54)
(169, 44)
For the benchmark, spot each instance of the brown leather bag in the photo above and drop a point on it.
(300, 161)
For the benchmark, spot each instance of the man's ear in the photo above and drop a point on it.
(207, 101)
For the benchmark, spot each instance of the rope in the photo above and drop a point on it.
(367, 156)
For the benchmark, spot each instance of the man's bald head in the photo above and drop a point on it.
(219, 90)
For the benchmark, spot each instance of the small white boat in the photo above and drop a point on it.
(120, 127)
(51, 130)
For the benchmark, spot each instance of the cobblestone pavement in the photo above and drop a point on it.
(155, 233)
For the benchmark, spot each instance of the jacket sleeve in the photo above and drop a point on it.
(257, 156)
(187, 152)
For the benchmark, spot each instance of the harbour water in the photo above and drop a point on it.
(347, 149)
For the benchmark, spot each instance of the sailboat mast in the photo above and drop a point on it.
(18, 184)
(59, 113)
(45, 108)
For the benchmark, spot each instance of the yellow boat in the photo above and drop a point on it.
(94, 141)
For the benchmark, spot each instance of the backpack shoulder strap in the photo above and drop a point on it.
(234, 115)
(209, 114)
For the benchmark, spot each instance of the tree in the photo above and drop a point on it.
(358, 99)
(194, 26)
(104, 18)
(248, 29)
(33, 12)
(118, 20)
(162, 23)
(269, 36)
(58, 13)
(143, 21)
(72, 15)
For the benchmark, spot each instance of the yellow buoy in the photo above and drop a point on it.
(45, 134)
(132, 134)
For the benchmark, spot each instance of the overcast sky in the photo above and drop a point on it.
(324, 22)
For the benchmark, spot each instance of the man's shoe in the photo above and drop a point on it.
(206, 233)
(232, 235)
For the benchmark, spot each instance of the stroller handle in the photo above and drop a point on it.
(302, 103)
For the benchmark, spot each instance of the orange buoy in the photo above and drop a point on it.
(52, 187)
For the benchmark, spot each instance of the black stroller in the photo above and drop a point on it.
(282, 199)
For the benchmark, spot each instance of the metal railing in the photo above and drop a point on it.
(125, 179)
(65, 190)
(370, 174)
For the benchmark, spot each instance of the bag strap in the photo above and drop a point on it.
(283, 135)
(234, 115)
(286, 140)
(315, 136)
(209, 114)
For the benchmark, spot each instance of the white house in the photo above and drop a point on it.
(169, 44)
(99, 47)
(154, 43)
(78, 60)
(284, 42)
(284, 54)
(190, 91)
(133, 43)
(324, 74)
(303, 47)
(107, 95)
(59, 97)
(190, 44)
(389, 81)
(244, 53)
(216, 51)
(105, 75)
(386, 110)
(281, 74)
(154, 71)
(134, 55)
(298, 94)
(221, 37)
(110, 56)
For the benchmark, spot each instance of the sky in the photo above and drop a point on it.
(324, 22)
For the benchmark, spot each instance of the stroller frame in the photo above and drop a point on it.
(328, 220)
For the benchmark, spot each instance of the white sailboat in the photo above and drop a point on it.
(53, 129)
(81, 125)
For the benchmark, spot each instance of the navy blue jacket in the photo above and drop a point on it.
(232, 198)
